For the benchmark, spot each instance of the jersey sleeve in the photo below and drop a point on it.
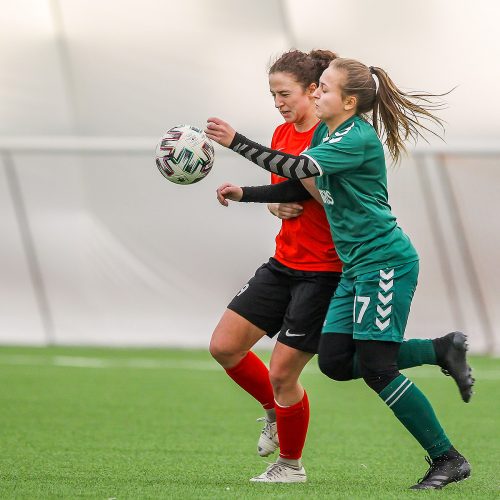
(344, 151)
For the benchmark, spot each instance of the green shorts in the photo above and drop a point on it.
(375, 305)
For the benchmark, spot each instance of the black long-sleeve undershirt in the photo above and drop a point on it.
(288, 191)
(278, 162)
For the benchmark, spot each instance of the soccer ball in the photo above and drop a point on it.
(184, 155)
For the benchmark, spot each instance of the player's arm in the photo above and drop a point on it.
(278, 162)
(283, 192)
(310, 185)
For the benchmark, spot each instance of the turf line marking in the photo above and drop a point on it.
(185, 364)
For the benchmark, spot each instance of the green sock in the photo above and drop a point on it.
(415, 412)
(413, 352)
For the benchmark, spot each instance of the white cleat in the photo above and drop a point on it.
(280, 472)
(268, 439)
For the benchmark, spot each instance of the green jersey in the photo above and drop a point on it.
(353, 186)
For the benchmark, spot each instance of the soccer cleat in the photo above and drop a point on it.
(280, 472)
(453, 362)
(268, 439)
(442, 471)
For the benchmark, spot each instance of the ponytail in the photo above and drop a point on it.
(396, 115)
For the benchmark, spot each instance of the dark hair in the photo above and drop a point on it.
(305, 68)
(396, 115)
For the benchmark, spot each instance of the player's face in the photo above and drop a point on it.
(293, 102)
(328, 95)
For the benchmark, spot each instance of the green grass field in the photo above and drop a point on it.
(130, 423)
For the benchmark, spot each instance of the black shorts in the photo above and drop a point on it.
(289, 303)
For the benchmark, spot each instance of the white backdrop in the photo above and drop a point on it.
(98, 248)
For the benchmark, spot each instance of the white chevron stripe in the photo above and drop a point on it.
(385, 286)
(382, 325)
(401, 393)
(344, 132)
(252, 151)
(263, 156)
(384, 300)
(400, 386)
(387, 276)
(384, 312)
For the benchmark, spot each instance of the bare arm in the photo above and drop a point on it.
(310, 185)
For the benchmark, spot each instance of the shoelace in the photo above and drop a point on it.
(274, 469)
(429, 470)
(267, 430)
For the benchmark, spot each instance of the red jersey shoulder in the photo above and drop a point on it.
(287, 139)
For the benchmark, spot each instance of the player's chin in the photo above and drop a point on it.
(288, 117)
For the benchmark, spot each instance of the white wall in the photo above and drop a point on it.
(100, 249)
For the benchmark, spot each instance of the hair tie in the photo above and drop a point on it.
(375, 78)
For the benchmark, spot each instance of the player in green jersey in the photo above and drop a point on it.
(372, 301)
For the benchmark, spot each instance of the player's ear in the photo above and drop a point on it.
(311, 89)
(350, 102)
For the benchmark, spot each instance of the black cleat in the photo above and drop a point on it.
(451, 355)
(448, 468)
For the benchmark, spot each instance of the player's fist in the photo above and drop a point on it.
(229, 192)
(285, 210)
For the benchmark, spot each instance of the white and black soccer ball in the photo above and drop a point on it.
(184, 154)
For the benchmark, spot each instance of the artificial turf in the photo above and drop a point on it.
(156, 423)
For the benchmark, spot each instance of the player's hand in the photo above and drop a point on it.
(229, 192)
(285, 210)
(220, 131)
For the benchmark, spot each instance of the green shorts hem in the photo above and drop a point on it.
(393, 338)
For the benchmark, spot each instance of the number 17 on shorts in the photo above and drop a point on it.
(374, 305)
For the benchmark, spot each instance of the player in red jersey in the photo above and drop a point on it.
(289, 295)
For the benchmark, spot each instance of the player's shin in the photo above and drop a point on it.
(252, 375)
(293, 422)
(415, 412)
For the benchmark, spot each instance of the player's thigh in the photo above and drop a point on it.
(264, 299)
(311, 294)
(382, 302)
(339, 317)
(234, 334)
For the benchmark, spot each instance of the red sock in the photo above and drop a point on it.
(252, 375)
(292, 422)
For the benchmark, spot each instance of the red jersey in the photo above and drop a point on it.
(304, 242)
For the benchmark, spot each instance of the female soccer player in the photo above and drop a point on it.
(289, 295)
(380, 271)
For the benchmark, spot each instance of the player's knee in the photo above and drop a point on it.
(335, 367)
(216, 349)
(335, 356)
(224, 352)
(281, 379)
(378, 363)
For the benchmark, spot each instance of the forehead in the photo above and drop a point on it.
(281, 80)
(332, 77)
